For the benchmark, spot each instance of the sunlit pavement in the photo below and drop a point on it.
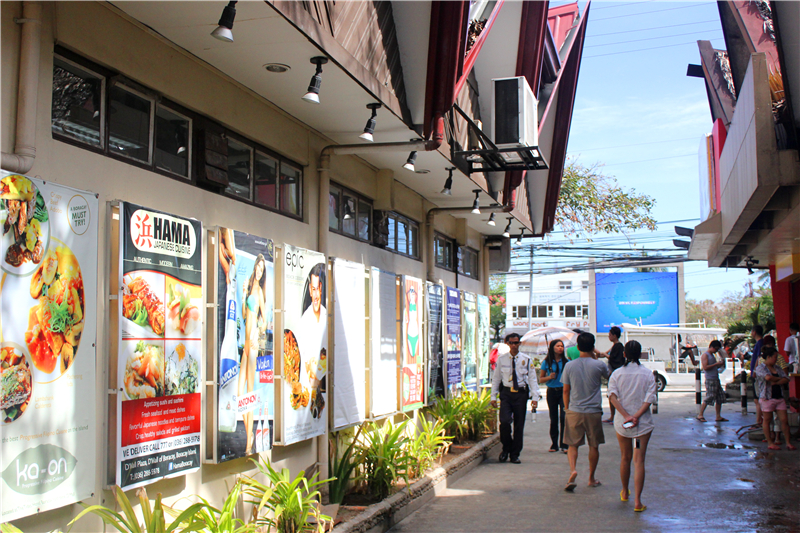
(700, 477)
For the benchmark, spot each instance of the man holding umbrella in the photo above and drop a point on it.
(515, 381)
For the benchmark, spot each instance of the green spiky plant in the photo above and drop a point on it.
(428, 445)
(341, 468)
(383, 457)
(213, 520)
(449, 412)
(477, 412)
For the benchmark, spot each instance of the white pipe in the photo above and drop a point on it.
(24, 154)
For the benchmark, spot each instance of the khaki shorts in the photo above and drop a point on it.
(580, 425)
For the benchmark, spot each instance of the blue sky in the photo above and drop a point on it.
(638, 113)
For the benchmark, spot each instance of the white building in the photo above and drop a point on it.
(554, 300)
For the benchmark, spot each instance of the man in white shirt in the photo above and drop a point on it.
(792, 346)
(515, 381)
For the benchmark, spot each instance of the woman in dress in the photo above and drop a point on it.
(631, 389)
(255, 322)
(550, 373)
(771, 379)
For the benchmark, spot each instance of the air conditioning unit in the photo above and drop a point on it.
(515, 115)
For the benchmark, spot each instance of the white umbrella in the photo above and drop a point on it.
(537, 341)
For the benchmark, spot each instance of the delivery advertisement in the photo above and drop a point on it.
(48, 282)
(412, 376)
(160, 348)
(245, 318)
(305, 345)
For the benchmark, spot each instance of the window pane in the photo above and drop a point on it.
(238, 169)
(413, 239)
(290, 189)
(172, 142)
(349, 218)
(77, 97)
(266, 180)
(364, 215)
(129, 124)
(333, 209)
(392, 243)
(402, 237)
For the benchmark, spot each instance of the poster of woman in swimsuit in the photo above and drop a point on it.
(412, 385)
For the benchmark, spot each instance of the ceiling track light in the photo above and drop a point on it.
(312, 93)
(348, 211)
(519, 239)
(507, 231)
(491, 221)
(369, 129)
(225, 25)
(448, 184)
(412, 158)
(476, 204)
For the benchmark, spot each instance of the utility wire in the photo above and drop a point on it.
(640, 50)
(648, 29)
(637, 144)
(623, 4)
(649, 39)
(646, 160)
(649, 12)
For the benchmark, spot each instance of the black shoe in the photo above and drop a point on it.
(515, 460)
(503, 457)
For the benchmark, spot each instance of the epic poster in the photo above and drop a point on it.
(453, 338)
(245, 318)
(305, 344)
(412, 376)
(349, 344)
(469, 316)
(48, 280)
(436, 357)
(484, 342)
(160, 349)
(383, 355)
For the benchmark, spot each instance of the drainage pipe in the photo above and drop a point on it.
(24, 154)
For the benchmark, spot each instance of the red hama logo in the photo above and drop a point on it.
(145, 227)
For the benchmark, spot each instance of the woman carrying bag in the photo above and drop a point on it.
(550, 374)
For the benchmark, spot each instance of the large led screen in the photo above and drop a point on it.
(651, 297)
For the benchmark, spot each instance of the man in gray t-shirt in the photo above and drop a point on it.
(583, 405)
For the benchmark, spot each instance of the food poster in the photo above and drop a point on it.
(469, 318)
(436, 357)
(245, 318)
(48, 320)
(412, 376)
(383, 353)
(453, 339)
(349, 344)
(160, 351)
(305, 345)
(484, 342)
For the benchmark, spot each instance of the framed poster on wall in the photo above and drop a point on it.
(349, 344)
(469, 339)
(48, 322)
(484, 341)
(412, 386)
(435, 308)
(383, 375)
(453, 339)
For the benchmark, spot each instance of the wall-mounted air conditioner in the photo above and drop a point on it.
(515, 115)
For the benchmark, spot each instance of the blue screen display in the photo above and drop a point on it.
(651, 297)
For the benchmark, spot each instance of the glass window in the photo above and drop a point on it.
(290, 189)
(522, 311)
(129, 124)
(565, 285)
(402, 236)
(413, 240)
(333, 208)
(585, 284)
(569, 311)
(468, 262)
(349, 218)
(364, 218)
(173, 139)
(266, 180)
(523, 285)
(238, 169)
(77, 103)
(392, 241)
(443, 251)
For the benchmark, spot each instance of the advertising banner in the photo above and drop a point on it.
(159, 360)
(48, 280)
(435, 357)
(651, 297)
(469, 311)
(484, 341)
(453, 338)
(349, 344)
(245, 370)
(305, 344)
(383, 353)
(413, 377)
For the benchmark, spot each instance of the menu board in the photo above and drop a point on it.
(436, 356)
(245, 318)
(453, 338)
(305, 345)
(412, 375)
(349, 344)
(484, 341)
(48, 320)
(469, 354)
(383, 353)
(160, 349)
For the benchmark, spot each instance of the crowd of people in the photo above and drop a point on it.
(574, 399)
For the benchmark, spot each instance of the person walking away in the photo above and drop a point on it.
(792, 347)
(772, 379)
(758, 335)
(583, 405)
(616, 358)
(715, 395)
(515, 382)
(550, 373)
(632, 389)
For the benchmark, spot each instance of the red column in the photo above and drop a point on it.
(782, 300)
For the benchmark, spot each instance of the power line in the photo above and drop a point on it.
(637, 144)
(649, 12)
(653, 28)
(646, 39)
(640, 50)
(654, 159)
(623, 5)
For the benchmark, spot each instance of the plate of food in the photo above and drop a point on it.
(142, 306)
(144, 372)
(16, 381)
(26, 225)
(56, 320)
(299, 395)
(183, 312)
(182, 372)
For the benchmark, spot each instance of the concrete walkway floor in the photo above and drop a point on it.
(699, 477)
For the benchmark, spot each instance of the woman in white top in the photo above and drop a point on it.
(631, 389)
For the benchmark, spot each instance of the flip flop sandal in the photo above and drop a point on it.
(774, 447)
(700, 419)
(551, 450)
(570, 486)
(791, 447)
(721, 420)
(595, 484)
(624, 498)
(640, 509)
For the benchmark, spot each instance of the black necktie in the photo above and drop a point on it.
(514, 372)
